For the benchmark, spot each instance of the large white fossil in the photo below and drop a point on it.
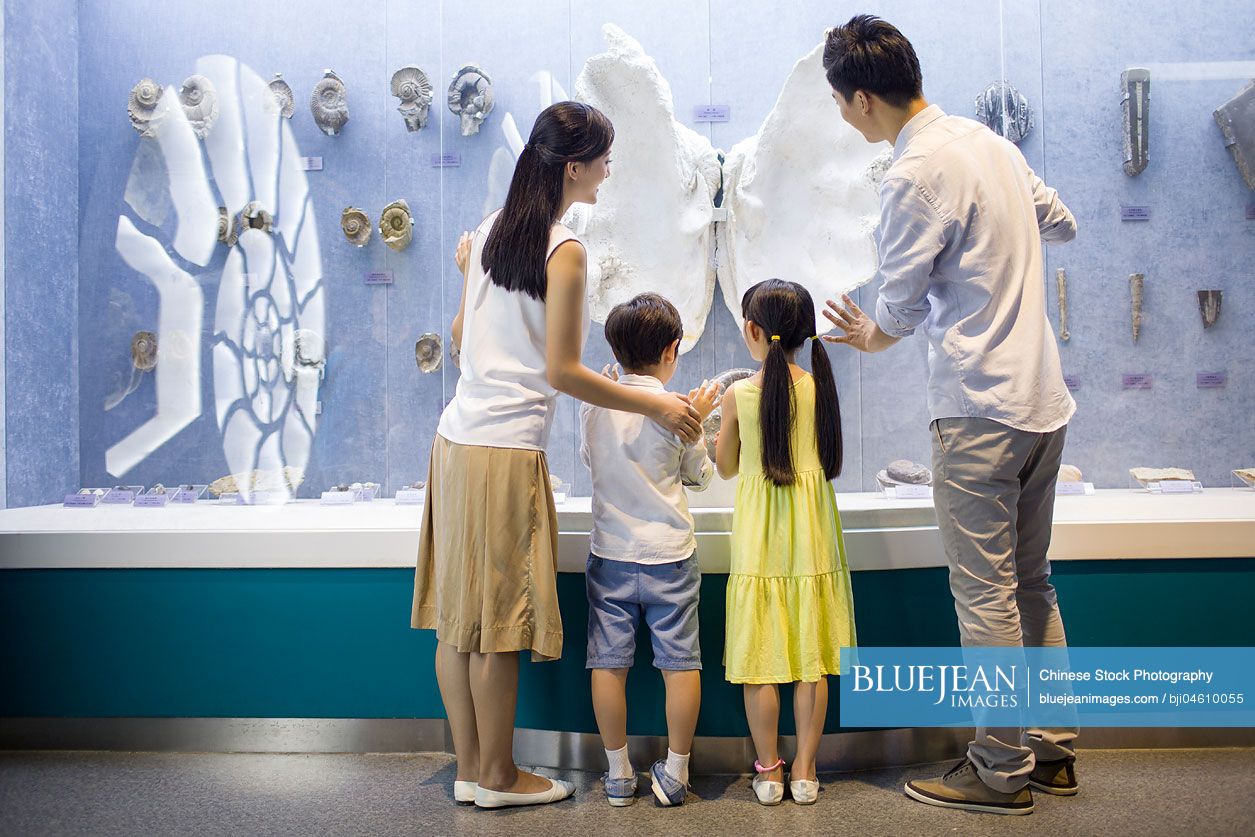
(650, 229)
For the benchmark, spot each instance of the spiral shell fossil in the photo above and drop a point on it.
(285, 101)
(142, 107)
(144, 351)
(330, 104)
(428, 352)
(396, 225)
(254, 216)
(471, 98)
(200, 104)
(228, 228)
(413, 88)
(356, 225)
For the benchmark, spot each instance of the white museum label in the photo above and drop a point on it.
(1178, 487)
(1134, 213)
(719, 214)
(1211, 380)
(379, 277)
(712, 113)
(338, 498)
(913, 492)
(1072, 382)
(311, 163)
(451, 160)
(410, 497)
(1137, 380)
(1074, 489)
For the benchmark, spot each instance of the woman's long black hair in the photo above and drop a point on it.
(515, 253)
(786, 310)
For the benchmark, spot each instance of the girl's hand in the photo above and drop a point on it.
(462, 256)
(704, 398)
(674, 412)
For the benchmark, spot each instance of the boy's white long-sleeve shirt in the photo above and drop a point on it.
(640, 470)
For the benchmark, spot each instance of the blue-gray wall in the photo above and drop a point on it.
(41, 249)
(380, 413)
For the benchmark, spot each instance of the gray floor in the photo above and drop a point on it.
(1142, 792)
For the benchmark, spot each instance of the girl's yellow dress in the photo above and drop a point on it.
(789, 604)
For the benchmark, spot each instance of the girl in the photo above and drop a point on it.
(789, 608)
(487, 554)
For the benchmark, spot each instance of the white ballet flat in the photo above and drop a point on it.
(557, 791)
(768, 792)
(804, 791)
(464, 792)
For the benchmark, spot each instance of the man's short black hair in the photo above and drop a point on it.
(641, 329)
(871, 55)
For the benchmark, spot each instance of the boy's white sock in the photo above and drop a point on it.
(620, 764)
(678, 766)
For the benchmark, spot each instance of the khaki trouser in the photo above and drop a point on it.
(994, 489)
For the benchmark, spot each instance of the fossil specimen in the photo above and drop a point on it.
(1005, 111)
(428, 352)
(1236, 119)
(1069, 473)
(905, 472)
(1136, 113)
(329, 104)
(1246, 475)
(396, 225)
(142, 107)
(710, 427)
(356, 225)
(259, 480)
(471, 98)
(1209, 306)
(1149, 475)
(228, 227)
(412, 87)
(284, 101)
(1061, 281)
(144, 351)
(1137, 283)
(200, 104)
(309, 350)
(254, 216)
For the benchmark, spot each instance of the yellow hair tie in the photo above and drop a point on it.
(775, 337)
(814, 336)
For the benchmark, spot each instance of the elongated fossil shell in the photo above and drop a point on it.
(228, 227)
(1005, 111)
(471, 98)
(284, 100)
(1137, 285)
(142, 107)
(356, 225)
(256, 217)
(1209, 306)
(330, 104)
(396, 225)
(144, 351)
(428, 352)
(1149, 475)
(413, 88)
(259, 480)
(200, 104)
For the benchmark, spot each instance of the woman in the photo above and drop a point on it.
(487, 559)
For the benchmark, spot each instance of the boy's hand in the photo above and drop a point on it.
(611, 372)
(704, 398)
(462, 255)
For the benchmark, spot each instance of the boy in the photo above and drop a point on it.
(642, 562)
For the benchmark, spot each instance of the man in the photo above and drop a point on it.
(961, 225)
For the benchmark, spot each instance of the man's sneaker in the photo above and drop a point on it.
(962, 788)
(619, 792)
(668, 790)
(1057, 776)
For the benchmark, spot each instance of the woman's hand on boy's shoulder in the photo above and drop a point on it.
(462, 255)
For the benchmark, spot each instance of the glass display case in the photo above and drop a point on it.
(230, 227)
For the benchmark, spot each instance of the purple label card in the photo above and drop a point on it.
(1134, 213)
(1211, 380)
(1072, 382)
(119, 497)
(83, 501)
(379, 277)
(1137, 380)
(448, 160)
(712, 113)
(311, 163)
(152, 501)
(1250, 212)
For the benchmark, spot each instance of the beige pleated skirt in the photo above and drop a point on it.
(488, 552)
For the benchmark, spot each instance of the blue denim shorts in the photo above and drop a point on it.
(620, 593)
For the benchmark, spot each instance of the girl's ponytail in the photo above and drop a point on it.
(775, 414)
(827, 410)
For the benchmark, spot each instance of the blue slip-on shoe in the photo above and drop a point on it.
(619, 792)
(668, 790)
